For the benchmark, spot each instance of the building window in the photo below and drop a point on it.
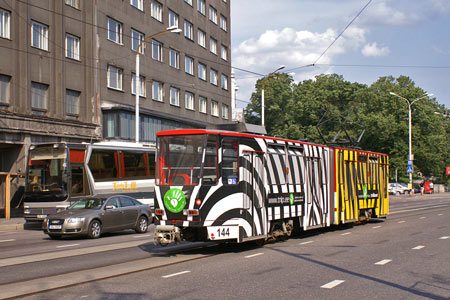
(223, 23)
(139, 4)
(39, 96)
(214, 108)
(127, 125)
(114, 31)
(202, 104)
(5, 89)
(136, 40)
(188, 2)
(157, 10)
(202, 71)
(72, 47)
(213, 45)
(174, 96)
(156, 50)
(188, 30)
(173, 19)
(189, 65)
(224, 82)
(202, 38)
(189, 100)
(5, 24)
(201, 6)
(114, 77)
(174, 58)
(72, 102)
(142, 90)
(224, 111)
(39, 35)
(73, 3)
(224, 52)
(157, 91)
(213, 76)
(213, 15)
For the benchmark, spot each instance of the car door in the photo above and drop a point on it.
(113, 217)
(130, 211)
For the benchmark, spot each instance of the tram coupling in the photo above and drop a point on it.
(167, 234)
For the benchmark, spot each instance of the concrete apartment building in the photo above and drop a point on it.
(67, 72)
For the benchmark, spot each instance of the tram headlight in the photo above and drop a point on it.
(27, 212)
(75, 220)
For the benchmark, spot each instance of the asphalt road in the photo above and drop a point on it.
(406, 256)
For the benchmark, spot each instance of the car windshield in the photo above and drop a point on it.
(87, 204)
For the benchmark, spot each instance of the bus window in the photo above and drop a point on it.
(135, 164)
(230, 161)
(104, 164)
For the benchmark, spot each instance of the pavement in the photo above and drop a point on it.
(21, 224)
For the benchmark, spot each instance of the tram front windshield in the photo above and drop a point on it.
(187, 159)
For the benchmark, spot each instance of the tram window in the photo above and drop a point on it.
(277, 155)
(230, 160)
(135, 164)
(103, 164)
(77, 179)
(210, 165)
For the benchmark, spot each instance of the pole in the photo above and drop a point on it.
(410, 145)
(137, 90)
(262, 106)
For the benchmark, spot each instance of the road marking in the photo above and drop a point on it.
(304, 243)
(71, 245)
(444, 237)
(440, 214)
(142, 235)
(400, 222)
(346, 233)
(419, 208)
(3, 241)
(375, 227)
(253, 255)
(422, 217)
(418, 247)
(383, 262)
(332, 284)
(175, 274)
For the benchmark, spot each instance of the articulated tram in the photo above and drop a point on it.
(236, 187)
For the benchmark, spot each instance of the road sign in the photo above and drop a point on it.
(409, 168)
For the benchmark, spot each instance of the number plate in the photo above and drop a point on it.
(54, 226)
(223, 232)
(41, 216)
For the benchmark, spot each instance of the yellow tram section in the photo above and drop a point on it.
(361, 186)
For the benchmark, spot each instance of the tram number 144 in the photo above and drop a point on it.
(223, 232)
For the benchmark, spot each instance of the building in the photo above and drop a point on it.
(67, 71)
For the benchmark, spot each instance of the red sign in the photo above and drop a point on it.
(447, 171)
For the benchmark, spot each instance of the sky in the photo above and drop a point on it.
(389, 37)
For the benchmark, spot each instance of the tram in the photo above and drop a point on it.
(214, 185)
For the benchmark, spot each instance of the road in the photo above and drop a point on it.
(406, 256)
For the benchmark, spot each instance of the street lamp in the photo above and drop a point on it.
(262, 94)
(174, 29)
(410, 103)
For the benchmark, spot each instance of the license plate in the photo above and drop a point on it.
(41, 216)
(54, 226)
(223, 232)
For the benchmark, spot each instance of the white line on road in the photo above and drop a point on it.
(419, 208)
(418, 247)
(253, 255)
(440, 214)
(346, 233)
(375, 227)
(400, 222)
(3, 241)
(444, 237)
(383, 262)
(304, 243)
(175, 274)
(142, 235)
(422, 217)
(65, 246)
(332, 284)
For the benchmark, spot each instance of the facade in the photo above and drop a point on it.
(68, 71)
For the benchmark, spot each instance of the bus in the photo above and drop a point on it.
(59, 173)
(224, 186)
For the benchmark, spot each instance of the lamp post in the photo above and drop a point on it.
(410, 103)
(174, 29)
(262, 95)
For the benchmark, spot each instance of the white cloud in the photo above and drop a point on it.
(373, 50)
(382, 12)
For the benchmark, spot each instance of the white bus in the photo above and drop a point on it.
(60, 173)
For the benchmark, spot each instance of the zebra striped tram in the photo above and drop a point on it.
(235, 187)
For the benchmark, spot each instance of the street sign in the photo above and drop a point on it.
(409, 168)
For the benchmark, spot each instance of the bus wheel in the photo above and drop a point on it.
(142, 225)
(94, 230)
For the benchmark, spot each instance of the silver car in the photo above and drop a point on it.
(93, 216)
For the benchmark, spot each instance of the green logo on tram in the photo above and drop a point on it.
(174, 200)
(365, 192)
(291, 199)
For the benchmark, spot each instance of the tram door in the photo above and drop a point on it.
(254, 192)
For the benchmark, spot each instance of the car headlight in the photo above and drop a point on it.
(75, 220)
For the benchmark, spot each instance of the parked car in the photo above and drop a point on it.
(398, 188)
(93, 216)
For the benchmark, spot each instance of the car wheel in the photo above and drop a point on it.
(95, 229)
(54, 236)
(142, 225)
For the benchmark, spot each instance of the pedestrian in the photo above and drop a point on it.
(422, 187)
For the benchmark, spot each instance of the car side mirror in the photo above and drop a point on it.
(109, 207)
